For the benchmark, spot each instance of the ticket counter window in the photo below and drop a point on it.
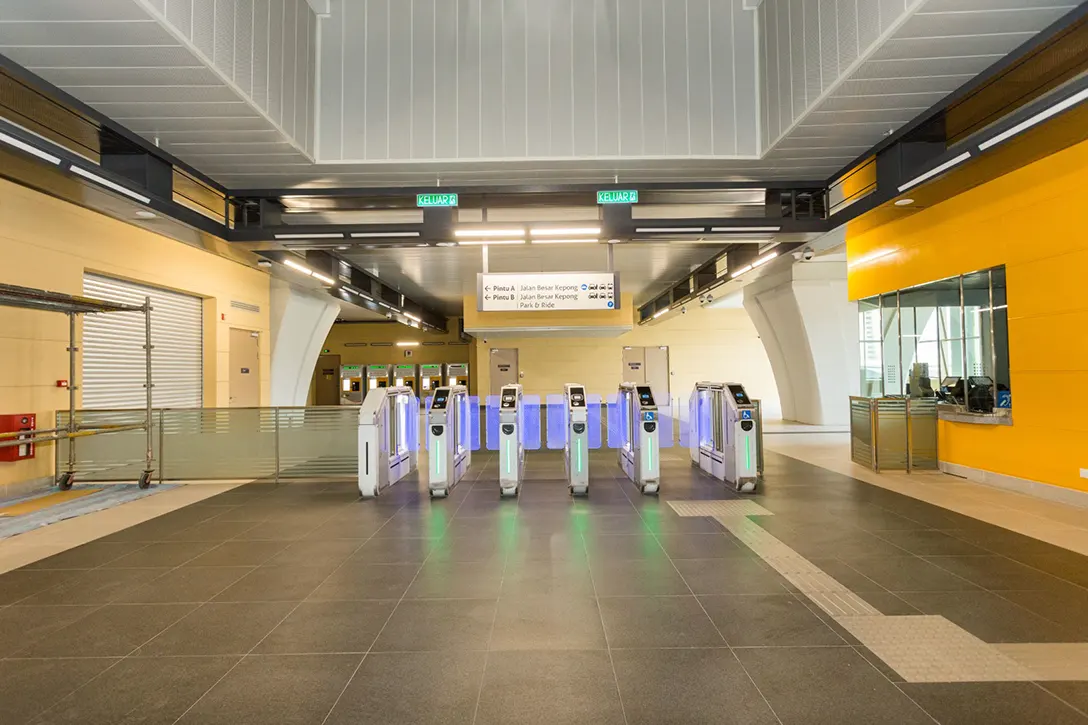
(950, 333)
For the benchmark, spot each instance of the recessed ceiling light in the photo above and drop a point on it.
(343, 248)
(904, 202)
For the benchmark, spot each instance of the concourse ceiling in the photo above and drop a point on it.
(232, 86)
(441, 276)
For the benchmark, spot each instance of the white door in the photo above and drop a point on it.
(113, 348)
(657, 374)
(504, 368)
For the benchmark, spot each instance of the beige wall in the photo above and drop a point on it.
(368, 332)
(48, 244)
(705, 344)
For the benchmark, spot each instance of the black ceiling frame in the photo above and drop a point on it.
(891, 174)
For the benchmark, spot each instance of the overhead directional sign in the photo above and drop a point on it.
(629, 196)
(429, 200)
(544, 292)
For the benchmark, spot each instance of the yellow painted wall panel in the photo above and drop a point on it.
(49, 244)
(1061, 336)
(1021, 220)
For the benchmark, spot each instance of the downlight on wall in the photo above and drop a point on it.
(904, 202)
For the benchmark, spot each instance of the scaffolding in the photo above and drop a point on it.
(73, 305)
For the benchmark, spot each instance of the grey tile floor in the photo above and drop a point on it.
(300, 603)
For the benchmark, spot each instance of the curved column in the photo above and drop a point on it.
(809, 329)
(301, 321)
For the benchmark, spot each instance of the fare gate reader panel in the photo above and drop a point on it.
(640, 451)
(449, 442)
(511, 446)
(576, 451)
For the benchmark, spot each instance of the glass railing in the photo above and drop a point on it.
(201, 444)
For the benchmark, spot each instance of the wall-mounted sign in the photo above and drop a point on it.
(543, 292)
(429, 200)
(629, 196)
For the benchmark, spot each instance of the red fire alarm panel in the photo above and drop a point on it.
(17, 424)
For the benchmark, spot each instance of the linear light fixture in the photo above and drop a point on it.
(764, 259)
(357, 293)
(936, 170)
(739, 272)
(382, 235)
(91, 176)
(669, 230)
(310, 236)
(659, 313)
(323, 278)
(387, 306)
(567, 232)
(32, 150)
(407, 343)
(744, 230)
(566, 241)
(1036, 119)
(488, 242)
(299, 267)
(410, 316)
(488, 232)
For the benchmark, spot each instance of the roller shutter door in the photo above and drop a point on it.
(113, 354)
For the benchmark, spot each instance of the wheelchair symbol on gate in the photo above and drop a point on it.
(746, 415)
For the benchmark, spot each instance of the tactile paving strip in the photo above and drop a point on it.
(921, 648)
(933, 649)
(719, 508)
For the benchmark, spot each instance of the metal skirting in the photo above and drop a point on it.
(895, 434)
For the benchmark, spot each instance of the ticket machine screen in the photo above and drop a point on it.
(739, 396)
(577, 397)
(440, 398)
(645, 395)
(508, 400)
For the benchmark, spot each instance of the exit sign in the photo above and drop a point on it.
(425, 200)
(617, 197)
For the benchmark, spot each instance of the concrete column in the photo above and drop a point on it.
(301, 321)
(809, 329)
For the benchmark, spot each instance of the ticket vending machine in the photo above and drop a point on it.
(377, 376)
(351, 384)
(406, 376)
(457, 374)
(430, 378)
(639, 451)
(511, 448)
(576, 451)
(449, 444)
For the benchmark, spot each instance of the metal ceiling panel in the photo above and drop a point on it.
(143, 94)
(93, 10)
(81, 34)
(71, 78)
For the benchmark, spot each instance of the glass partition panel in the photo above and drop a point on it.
(889, 321)
(321, 442)
(978, 342)
(870, 338)
(1000, 319)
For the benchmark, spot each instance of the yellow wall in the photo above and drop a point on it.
(1024, 220)
(47, 243)
(704, 344)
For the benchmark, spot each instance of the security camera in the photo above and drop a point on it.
(804, 255)
(684, 310)
(709, 298)
(264, 263)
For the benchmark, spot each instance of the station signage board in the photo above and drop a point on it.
(629, 196)
(545, 292)
(435, 200)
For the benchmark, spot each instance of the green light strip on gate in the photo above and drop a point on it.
(578, 448)
(747, 453)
